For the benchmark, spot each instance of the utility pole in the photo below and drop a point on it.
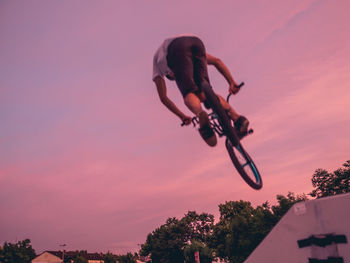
(63, 245)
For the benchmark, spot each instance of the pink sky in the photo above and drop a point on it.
(88, 155)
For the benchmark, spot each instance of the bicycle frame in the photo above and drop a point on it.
(213, 121)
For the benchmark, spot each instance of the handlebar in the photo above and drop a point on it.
(238, 87)
(194, 121)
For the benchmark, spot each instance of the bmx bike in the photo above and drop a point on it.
(222, 124)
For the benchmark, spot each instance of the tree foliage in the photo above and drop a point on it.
(205, 253)
(109, 258)
(327, 184)
(21, 251)
(80, 259)
(198, 226)
(128, 258)
(239, 231)
(167, 243)
(285, 203)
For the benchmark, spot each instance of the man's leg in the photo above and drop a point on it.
(241, 122)
(231, 112)
(193, 102)
(201, 96)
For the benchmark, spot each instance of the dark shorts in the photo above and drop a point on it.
(187, 60)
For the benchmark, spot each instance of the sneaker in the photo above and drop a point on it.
(241, 124)
(205, 130)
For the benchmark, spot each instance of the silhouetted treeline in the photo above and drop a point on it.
(238, 232)
(241, 226)
(22, 252)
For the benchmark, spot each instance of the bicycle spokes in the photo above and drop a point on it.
(244, 165)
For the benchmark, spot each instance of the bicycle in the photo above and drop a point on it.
(222, 124)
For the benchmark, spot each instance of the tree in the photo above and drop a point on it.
(232, 236)
(327, 184)
(198, 226)
(285, 203)
(22, 251)
(109, 258)
(128, 258)
(205, 253)
(80, 259)
(167, 243)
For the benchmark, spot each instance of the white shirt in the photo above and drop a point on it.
(160, 64)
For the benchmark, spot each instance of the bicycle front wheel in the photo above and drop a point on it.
(244, 165)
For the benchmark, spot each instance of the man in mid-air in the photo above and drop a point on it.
(184, 59)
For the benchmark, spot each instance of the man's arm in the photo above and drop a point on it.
(221, 67)
(162, 92)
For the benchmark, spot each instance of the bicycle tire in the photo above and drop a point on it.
(254, 181)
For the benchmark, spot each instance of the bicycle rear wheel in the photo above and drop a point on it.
(244, 164)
